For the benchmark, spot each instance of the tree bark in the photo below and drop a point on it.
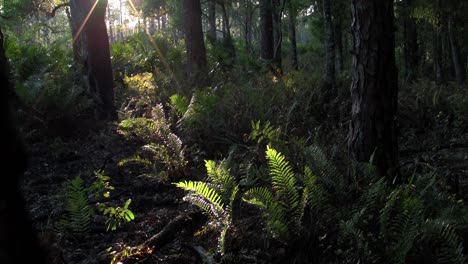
(329, 47)
(197, 69)
(266, 26)
(339, 45)
(410, 43)
(374, 88)
(212, 19)
(277, 13)
(292, 35)
(90, 35)
(456, 57)
(18, 241)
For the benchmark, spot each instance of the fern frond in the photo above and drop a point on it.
(203, 190)
(259, 196)
(78, 213)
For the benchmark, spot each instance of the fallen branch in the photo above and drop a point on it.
(164, 237)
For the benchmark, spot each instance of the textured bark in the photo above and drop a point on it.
(277, 13)
(266, 27)
(92, 44)
(374, 87)
(456, 58)
(212, 19)
(292, 35)
(329, 46)
(196, 53)
(411, 43)
(18, 242)
(339, 45)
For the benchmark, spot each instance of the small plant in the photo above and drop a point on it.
(78, 212)
(118, 215)
(284, 204)
(215, 198)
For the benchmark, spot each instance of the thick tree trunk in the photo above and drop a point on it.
(91, 38)
(456, 57)
(292, 35)
(266, 27)
(212, 19)
(329, 47)
(411, 43)
(374, 87)
(196, 53)
(18, 242)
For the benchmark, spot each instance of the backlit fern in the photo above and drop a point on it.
(215, 197)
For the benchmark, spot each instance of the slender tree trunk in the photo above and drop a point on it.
(277, 35)
(438, 70)
(196, 53)
(95, 53)
(374, 89)
(411, 43)
(266, 25)
(329, 48)
(456, 57)
(111, 27)
(292, 35)
(227, 41)
(212, 19)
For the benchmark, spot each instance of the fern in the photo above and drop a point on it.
(215, 197)
(78, 213)
(179, 103)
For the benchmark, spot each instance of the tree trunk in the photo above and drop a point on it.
(212, 20)
(18, 242)
(277, 35)
(438, 70)
(111, 27)
(329, 47)
(292, 35)
(456, 58)
(90, 34)
(227, 40)
(196, 53)
(411, 43)
(339, 45)
(374, 88)
(266, 26)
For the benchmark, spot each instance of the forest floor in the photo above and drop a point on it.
(54, 162)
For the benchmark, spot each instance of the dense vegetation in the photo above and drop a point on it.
(236, 131)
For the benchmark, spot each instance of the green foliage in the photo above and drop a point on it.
(78, 213)
(215, 197)
(284, 205)
(264, 133)
(179, 103)
(163, 150)
(118, 215)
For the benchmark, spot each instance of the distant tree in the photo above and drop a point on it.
(411, 46)
(91, 45)
(329, 47)
(266, 28)
(197, 67)
(374, 88)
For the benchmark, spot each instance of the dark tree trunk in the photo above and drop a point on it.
(196, 53)
(411, 43)
(277, 35)
(374, 87)
(339, 45)
(456, 57)
(292, 35)
(212, 19)
(18, 241)
(227, 40)
(91, 38)
(266, 26)
(329, 47)
(438, 70)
